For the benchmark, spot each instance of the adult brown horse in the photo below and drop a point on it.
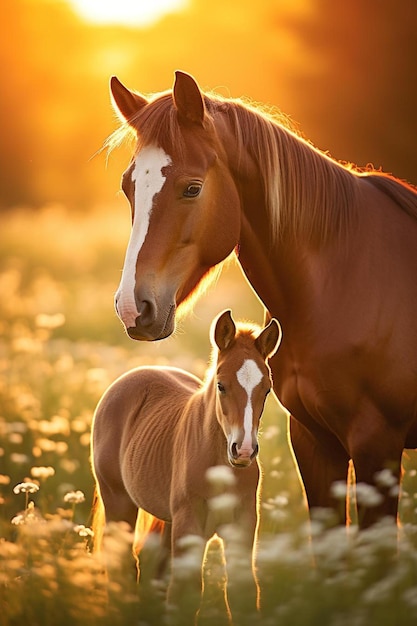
(331, 252)
(158, 432)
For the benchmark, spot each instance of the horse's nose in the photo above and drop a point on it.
(147, 314)
(146, 311)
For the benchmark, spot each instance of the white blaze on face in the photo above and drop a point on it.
(249, 376)
(149, 180)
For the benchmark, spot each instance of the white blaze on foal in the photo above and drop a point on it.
(149, 180)
(249, 376)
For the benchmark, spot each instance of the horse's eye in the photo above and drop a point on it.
(221, 388)
(193, 190)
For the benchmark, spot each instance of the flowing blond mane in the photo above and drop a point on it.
(307, 192)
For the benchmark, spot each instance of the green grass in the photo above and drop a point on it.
(61, 345)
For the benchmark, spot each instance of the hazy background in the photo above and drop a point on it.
(346, 72)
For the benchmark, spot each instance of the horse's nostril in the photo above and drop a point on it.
(147, 312)
(235, 453)
(255, 452)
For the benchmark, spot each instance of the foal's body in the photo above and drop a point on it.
(157, 430)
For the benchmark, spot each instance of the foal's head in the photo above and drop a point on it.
(243, 380)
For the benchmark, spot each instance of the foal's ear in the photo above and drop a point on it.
(127, 103)
(269, 339)
(187, 98)
(224, 330)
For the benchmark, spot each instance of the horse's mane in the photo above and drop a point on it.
(306, 190)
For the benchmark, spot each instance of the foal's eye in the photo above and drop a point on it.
(221, 388)
(192, 190)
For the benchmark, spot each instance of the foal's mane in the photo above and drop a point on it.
(306, 191)
(246, 333)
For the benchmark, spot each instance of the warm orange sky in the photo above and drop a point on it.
(345, 73)
(138, 13)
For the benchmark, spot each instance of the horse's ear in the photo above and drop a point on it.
(269, 339)
(127, 103)
(188, 98)
(224, 330)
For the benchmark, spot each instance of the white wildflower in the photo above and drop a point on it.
(339, 490)
(394, 492)
(221, 475)
(83, 531)
(223, 502)
(26, 487)
(42, 472)
(74, 497)
(385, 478)
(367, 495)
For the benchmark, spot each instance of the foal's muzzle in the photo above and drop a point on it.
(240, 457)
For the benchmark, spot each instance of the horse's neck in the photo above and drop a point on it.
(281, 270)
(270, 269)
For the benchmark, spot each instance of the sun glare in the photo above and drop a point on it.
(126, 12)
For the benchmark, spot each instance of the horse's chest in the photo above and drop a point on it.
(338, 390)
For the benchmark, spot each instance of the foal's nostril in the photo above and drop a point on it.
(235, 453)
(255, 452)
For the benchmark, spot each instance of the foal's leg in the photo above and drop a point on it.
(165, 552)
(321, 461)
(117, 505)
(239, 540)
(188, 546)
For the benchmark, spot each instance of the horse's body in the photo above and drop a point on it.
(157, 430)
(330, 251)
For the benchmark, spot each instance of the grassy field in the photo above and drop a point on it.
(61, 345)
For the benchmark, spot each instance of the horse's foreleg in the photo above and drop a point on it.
(376, 451)
(322, 461)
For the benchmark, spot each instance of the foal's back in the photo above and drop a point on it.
(134, 427)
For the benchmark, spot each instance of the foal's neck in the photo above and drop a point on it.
(213, 437)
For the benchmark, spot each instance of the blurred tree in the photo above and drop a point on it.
(52, 117)
(345, 71)
(354, 81)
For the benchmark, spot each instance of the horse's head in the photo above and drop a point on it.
(185, 205)
(243, 380)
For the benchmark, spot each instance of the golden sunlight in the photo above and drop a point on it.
(126, 12)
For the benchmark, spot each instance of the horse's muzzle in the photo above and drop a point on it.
(144, 316)
(152, 327)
